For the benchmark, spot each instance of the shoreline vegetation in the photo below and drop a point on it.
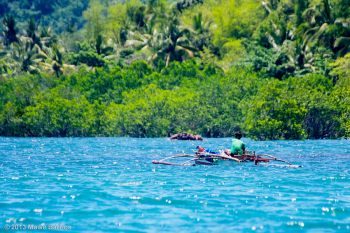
(275, 70)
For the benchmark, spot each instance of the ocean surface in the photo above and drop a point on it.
(110, 185)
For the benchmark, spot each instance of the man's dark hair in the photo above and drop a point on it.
(238, 134)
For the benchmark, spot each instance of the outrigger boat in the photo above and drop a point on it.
(210, 158)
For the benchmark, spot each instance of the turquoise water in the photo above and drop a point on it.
(110, 185)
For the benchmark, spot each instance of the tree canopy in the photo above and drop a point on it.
(277, 69)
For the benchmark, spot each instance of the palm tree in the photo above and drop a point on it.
(32, 33)
(201, 26)
(4, 65)
(270, 5)
(298, 54)
(10, 31)
(343, 42)
(293, 55)
(155, 9)
(321, 18)
(150, 25)
(180, 6)
(43, 37)
(139, 17)
(54, 60)
(145, 40)
(70, 28)
(101, 47)
(25, 56)
(142, 41)
(202, 37)
(173, 43)
(122, 33)
(47, 37)
(300, 7)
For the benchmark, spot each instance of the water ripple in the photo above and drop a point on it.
(110, 184)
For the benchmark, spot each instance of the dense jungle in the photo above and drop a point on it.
(275, 69)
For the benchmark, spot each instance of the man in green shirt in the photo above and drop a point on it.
(237, 145)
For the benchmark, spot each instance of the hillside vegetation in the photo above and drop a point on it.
(274, 69)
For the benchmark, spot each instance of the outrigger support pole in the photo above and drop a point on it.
(273, 158)
(177, 156)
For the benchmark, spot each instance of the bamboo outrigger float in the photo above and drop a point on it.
(205, 158)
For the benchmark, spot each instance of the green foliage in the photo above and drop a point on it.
(341, 67)
(137, 101)
(149, 69)
(341, 98)
(126, 52)
(88, 58)
(95, 20)
(180, 6)
(55, 14)
(10, 32)
(272, 116)
(294, 109)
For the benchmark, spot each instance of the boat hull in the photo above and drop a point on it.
(216, 162)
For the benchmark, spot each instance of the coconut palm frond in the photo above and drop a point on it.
(344, 22)
(185, 52)
(272, 41)
(343, 52)
(342, 41)
(320, 31)
(313, 68)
